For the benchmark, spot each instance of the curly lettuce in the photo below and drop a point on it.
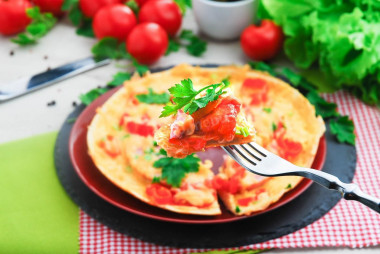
(342, 37)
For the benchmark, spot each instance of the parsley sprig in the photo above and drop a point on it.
(193, 44)
(153, 98)
(91, 95)
(83, 24)
(174, 169)
(111, 48)
(184, 96)
(341, 126)
(41, 24)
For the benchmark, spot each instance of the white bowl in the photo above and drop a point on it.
(223, 20)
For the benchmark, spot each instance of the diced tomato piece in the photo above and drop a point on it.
(159, 194)
(258, 88)
(234, 185)
(239, 170)
(194, 143)
(254, 83)
(244, 201)
(142, 129)
(122, 119)
(220, 124)
(108, 147)
(219, 183)
(289, 148)
(231, 185)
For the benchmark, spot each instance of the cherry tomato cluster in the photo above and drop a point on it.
(262, 42)
(146, 36)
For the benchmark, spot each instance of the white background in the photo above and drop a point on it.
(29, 115)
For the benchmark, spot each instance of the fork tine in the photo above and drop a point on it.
(250, 152)
(243, 155)
(256, 149)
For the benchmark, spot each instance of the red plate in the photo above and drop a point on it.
(99, 184)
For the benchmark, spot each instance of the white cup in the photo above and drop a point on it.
(223, 20)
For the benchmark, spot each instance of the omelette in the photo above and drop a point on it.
(122, 145)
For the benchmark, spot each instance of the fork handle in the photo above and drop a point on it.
(350, 191)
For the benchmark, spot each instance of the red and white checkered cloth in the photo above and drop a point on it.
(348, 224)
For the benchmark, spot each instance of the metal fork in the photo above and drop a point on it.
(260, 161)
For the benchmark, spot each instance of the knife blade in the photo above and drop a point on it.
(29, 84)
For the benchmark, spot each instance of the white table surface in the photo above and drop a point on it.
(29, 115)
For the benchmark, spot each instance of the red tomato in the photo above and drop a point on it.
(141, 2)
(53, 6)
(262, 42)
(244, 201)
(141, 129)
(159, 194)
(257, 88)
(220, 124)
(166, 13)
(116, 20)
(91, 7)
(189, 142)
(13, 18)
(147, 42)
(109, 146)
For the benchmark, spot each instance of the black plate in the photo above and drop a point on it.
(315, 202)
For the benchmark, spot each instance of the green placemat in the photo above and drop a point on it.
(36, 215)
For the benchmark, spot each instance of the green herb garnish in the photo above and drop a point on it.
(268, 110)
(119, 78)
(185, 97)
(156, 179)
(343, 128)
(174, 169)
(41, 24)
(195, 45)
(274, 127)
(244, 131)
(111, 48)
(90, 96)
(288, 186)
(237, 209)
(153, 98)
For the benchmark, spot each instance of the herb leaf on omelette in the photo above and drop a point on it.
(174, 169)
(153, 98)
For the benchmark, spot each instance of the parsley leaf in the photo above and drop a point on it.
(119, 79)
(322, 107)
(267, 110)
(90, 96)
(184, 96)
(173, 46)
(195, 45)
(174, 169)
(153, 98)
(85, 28)
(110, 48)
(182, 4)
(343, 128)
(261, 66)
(41, 24)
(237, 209)
(134, 6)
